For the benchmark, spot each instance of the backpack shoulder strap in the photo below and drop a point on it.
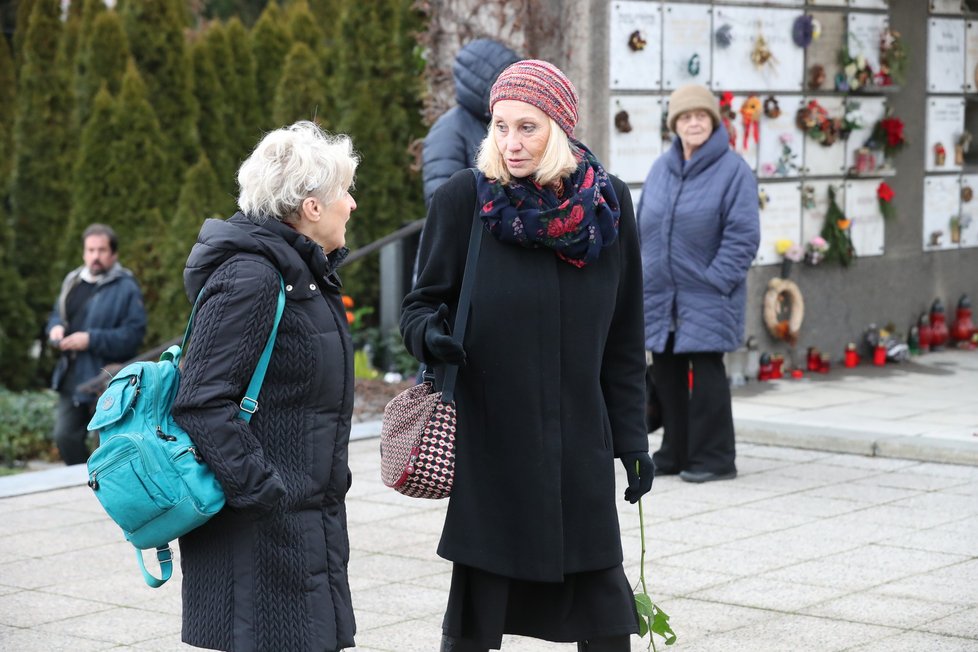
(163, 555)
(249, 402)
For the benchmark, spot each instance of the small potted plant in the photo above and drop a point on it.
(955, 228)
(815, 250)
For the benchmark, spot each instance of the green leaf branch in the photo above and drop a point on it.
(651, 619)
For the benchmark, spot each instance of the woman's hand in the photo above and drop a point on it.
(640, 472)
(438, 342)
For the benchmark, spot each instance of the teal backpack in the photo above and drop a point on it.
(147, 472)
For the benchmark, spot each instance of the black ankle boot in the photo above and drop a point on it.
(607, 644)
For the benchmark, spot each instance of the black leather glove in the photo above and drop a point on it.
(438, 342)
(640, 472)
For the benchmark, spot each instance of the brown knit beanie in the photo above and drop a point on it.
(541, 84)
(689, 98)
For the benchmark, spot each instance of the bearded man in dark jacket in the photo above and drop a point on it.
(97, 319)
(454, 139)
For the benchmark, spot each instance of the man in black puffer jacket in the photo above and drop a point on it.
(454, 139)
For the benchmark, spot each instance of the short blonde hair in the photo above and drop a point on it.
(293, 163)
(560, 158)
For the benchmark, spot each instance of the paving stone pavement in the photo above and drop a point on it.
(809, 548)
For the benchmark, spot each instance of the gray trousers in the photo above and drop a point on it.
(71, 429)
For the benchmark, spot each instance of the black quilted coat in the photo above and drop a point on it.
(269, 572)
(552, 391)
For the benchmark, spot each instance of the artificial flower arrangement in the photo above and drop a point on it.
(727, 116)
(851, 119)
(815, 121)
(790, 253)
(787, 160)
(887, 135)
(856, 73)
(815, 250)
(884, 196)
(893, 59)
(835, 231)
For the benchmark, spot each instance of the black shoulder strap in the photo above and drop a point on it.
(464, 299)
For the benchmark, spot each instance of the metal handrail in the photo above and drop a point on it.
(380, 243)
(98, 384)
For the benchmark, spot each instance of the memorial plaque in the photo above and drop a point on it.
(862, 208)
(635, 53)
(941, 203)
(739, 66)
(785, 3)
(632, 152)
(780, 151)
(686, 44)
(868, 4)
(780, 219)
(863, 36)
(859, 159)
(969, 211)
(813, 215)
(946, 7)
(945, 124)
(971, 56)
(945, 55)
(819, 159)
(825, 51)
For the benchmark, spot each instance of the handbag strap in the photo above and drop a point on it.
(249, 402)
(464, 300)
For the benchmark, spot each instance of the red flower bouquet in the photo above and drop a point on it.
(885, 194)
(888, 136)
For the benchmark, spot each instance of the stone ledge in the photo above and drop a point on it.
(858, 442)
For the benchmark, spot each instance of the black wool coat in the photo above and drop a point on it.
(269, 572)
(552, 391)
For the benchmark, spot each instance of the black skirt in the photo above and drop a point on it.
(483, 606)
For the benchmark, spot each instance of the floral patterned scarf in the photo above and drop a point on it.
(576, 225)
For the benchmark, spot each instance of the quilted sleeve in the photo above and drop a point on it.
(444, 153)
(231, 328)
(741, 231)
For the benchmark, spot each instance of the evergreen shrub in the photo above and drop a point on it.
(26, 422)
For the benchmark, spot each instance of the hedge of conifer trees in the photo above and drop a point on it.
(139, 115)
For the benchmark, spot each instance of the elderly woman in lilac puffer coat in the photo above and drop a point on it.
(699, 231)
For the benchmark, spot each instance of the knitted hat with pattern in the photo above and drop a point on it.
(689, 98)
(541, 84)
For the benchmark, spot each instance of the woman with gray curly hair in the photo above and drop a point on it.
(269, 572)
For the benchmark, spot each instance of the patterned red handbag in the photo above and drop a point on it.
(417, 437)
(417, 443)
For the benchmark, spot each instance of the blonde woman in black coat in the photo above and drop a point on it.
(269, 572)
(551, 388)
